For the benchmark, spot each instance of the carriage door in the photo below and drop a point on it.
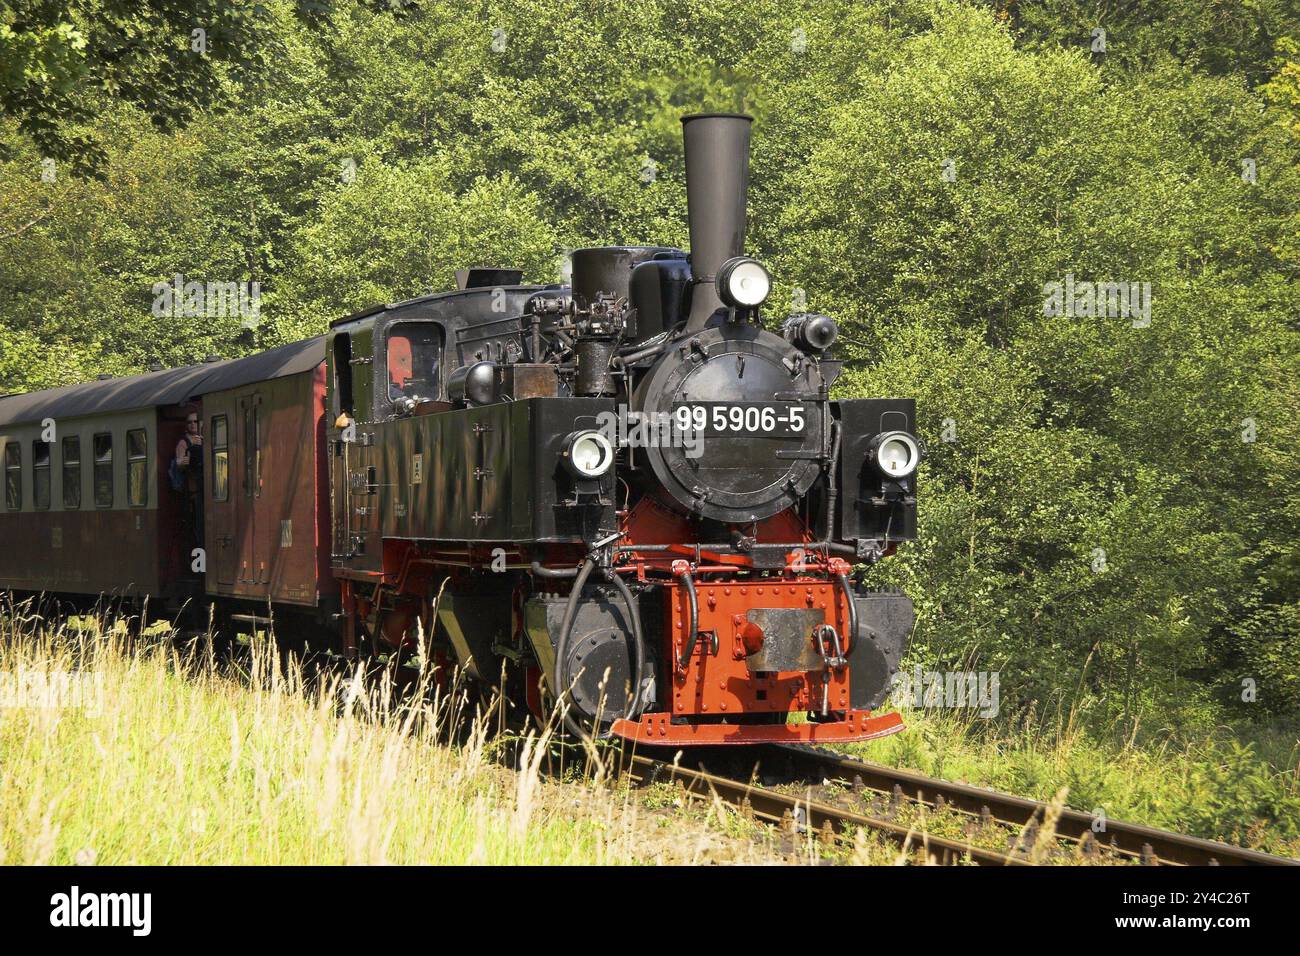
(223, 440)
(250, 447)
(340, 454)
(341, 409)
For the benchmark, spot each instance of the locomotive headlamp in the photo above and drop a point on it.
(743, 283)
(589, 454)
(895, 454)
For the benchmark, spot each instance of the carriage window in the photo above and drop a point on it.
(72, 472)
(252, 452)
(220, 459)
(414, 356)
(13, 476)
(103, 471)
(41, 475)
(137, 468)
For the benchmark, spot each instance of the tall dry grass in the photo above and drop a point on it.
(164, 757)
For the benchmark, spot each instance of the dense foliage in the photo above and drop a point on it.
(1110, 507)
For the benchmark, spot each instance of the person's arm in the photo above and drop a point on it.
(182, 454)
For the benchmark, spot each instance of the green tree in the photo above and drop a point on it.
(61, 64)
(1108, 511)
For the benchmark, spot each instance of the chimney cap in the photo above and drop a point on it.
(694, 116)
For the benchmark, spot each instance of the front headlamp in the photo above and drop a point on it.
(589, 454)
(743, 283)
(895, 454)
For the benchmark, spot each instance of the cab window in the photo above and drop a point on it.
(414, 357)
(343, 373)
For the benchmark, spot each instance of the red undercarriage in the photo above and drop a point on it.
(658, 729)
(718, 683)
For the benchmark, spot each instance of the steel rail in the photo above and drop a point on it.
(782, 809)
(1131, 840)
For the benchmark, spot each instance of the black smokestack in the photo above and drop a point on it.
(717, 181)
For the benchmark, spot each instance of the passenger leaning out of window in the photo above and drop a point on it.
(189, 465)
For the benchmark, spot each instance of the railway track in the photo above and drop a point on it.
(801, 814)
(837, 796)
(1132, 842)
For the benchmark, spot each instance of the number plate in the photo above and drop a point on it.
(778, 419)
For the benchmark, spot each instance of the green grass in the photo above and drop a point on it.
(176, 762)
(1240, 785)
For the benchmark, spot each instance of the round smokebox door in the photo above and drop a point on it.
(753, 424)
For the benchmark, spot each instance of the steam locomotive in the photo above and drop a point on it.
(623, 495)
